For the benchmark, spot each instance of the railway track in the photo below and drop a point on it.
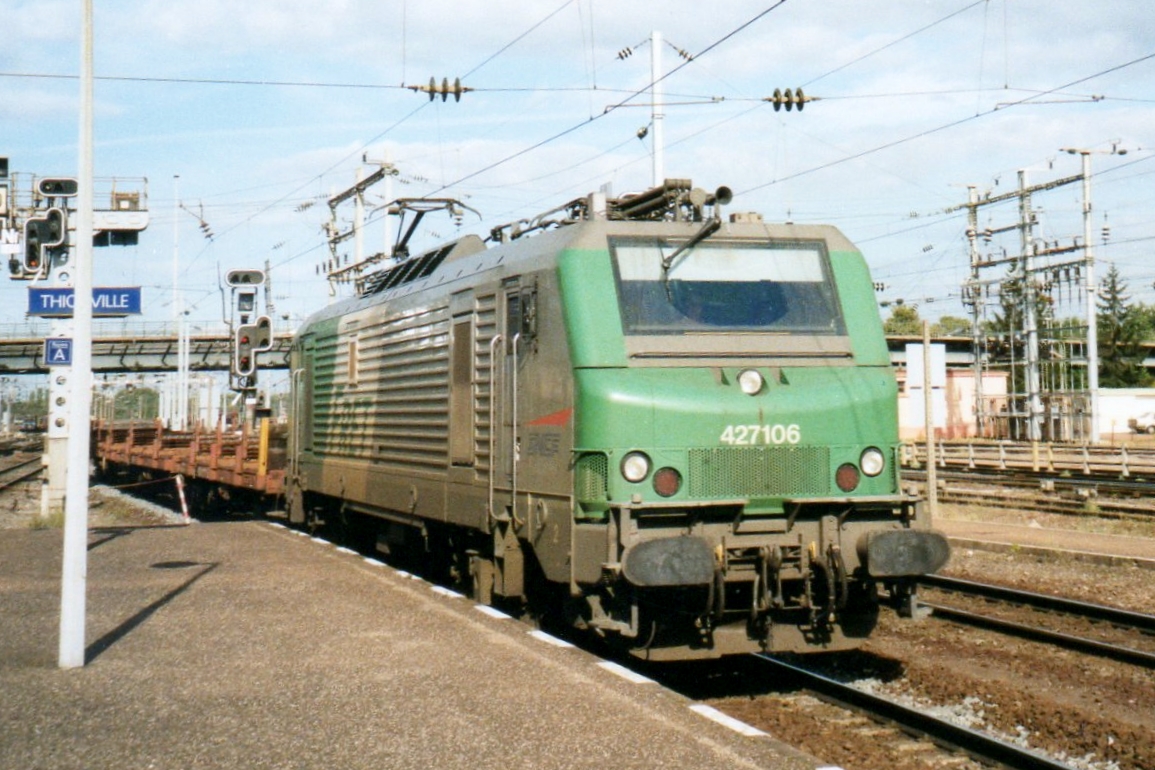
(1105, 498)
(953, 738)
(1133, 623)
(21, 469)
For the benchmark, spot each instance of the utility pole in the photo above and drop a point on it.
(359, 218)
(972, 293)
(1030, 310)
(1092, 288)
(1092, 302)
(1024, 270)
(178, 406)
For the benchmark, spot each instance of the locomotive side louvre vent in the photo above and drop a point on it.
(486, 320)
(759, 471)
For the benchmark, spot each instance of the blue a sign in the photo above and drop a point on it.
(106, 302)
(58, 351)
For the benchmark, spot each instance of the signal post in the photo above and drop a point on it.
(252, 333)
(39, 235)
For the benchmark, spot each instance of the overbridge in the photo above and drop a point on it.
(124, 347)
(119, 348)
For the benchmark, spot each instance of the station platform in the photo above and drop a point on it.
(1089, 547)
(248, 645)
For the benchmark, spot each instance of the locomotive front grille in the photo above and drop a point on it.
(591, 478)
(759, 471)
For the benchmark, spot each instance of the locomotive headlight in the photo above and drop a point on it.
(872, 462)
(635, 467)
(750, 381)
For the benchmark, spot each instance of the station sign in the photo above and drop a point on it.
(58, 351)
(58, 302)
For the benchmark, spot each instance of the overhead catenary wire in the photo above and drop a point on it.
(951, 124)
(558, 6)
(894, 42)
(631, 97)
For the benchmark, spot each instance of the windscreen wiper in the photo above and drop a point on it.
(707, 230)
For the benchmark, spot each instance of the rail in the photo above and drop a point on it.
(1140, 622)
(971, 742)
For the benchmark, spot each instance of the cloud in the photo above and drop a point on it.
(878, 148)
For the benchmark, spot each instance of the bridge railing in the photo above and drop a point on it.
(1114, 461)
(115, 327)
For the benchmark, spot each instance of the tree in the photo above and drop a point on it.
(1144, 317)
(135, 403)
(1121, 330)
(951, 326)
(903, 321)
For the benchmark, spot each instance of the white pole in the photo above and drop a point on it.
(1030, 316)
(928, 416)
(657, 110)
(359, 220)
(182, 379)
(175, 248)
(388, 223)
(75, 570)
(1092, 304)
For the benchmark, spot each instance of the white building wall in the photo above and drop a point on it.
(1117, 405)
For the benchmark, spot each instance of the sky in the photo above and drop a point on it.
(249, 116)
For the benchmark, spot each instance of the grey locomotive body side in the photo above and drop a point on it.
(404, 410)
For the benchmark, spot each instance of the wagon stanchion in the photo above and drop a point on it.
(180, 494)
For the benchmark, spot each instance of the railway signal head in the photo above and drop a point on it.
(41, 234)
(244, 350)
(263, 337)
(239, 278)
(57, 187)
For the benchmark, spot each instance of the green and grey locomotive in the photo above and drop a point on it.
(678, 428)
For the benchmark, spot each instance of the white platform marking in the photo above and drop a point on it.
(737, 726)
(542, 636)
(491, 612)
(625, 673)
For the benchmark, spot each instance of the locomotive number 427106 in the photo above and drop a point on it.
(753, 435)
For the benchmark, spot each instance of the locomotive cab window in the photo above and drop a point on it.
(521, 319)
(719, 286)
